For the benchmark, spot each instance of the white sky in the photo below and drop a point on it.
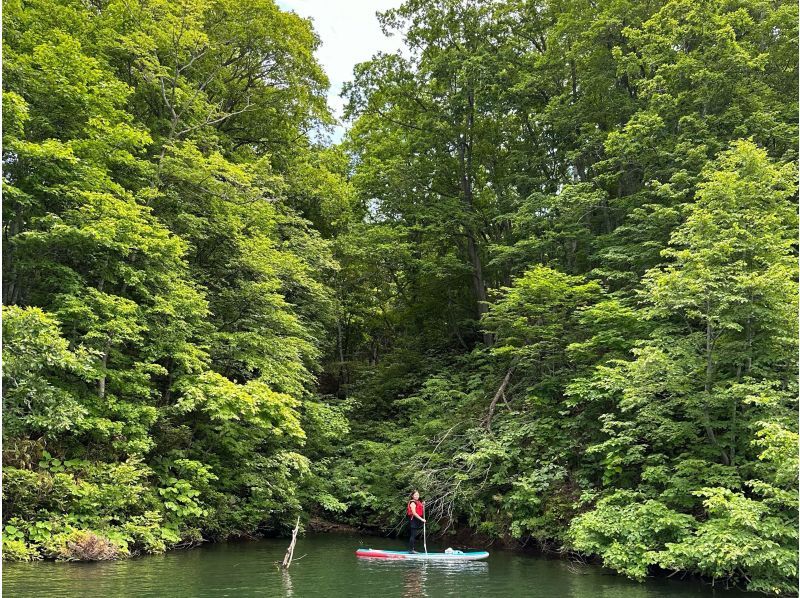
(350, 34)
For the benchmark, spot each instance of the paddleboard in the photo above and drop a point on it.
(369, 553)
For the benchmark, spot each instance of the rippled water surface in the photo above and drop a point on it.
(326, 565)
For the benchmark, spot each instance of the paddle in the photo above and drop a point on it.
(424, 538)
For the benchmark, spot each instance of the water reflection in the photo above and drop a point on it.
(331, 569)
(413, 583)
(440, 567)
(286, 580)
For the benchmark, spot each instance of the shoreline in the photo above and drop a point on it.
(463, 539)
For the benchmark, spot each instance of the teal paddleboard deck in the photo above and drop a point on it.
(456, 555)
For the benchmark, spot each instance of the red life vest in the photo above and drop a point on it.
(420, 506)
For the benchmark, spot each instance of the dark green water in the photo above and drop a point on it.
(331, 569)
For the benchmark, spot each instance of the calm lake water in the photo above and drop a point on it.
(331, 569)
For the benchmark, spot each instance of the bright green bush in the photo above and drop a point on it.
(627, 533)
(742, 541)
(15, 549)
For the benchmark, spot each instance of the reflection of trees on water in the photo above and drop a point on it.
(287, 583)
(415, 577)
(414, 582)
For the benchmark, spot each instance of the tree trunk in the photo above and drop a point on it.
(101, 384)
(167, 394)
(11, 290)
(478, 284)
(500, 393)
(287, 559)
(340, 348)
(473, 253)
(709, 383)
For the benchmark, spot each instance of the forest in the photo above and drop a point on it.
(548, 277)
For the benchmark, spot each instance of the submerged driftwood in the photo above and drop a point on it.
(287, 559)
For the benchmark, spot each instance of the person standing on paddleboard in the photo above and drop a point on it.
(415, 510)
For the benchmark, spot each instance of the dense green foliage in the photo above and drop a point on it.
(579, 322)
(165, 300)
(549, 277)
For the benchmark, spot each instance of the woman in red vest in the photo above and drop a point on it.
(416, 514)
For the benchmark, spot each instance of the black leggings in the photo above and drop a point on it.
(414, 531)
